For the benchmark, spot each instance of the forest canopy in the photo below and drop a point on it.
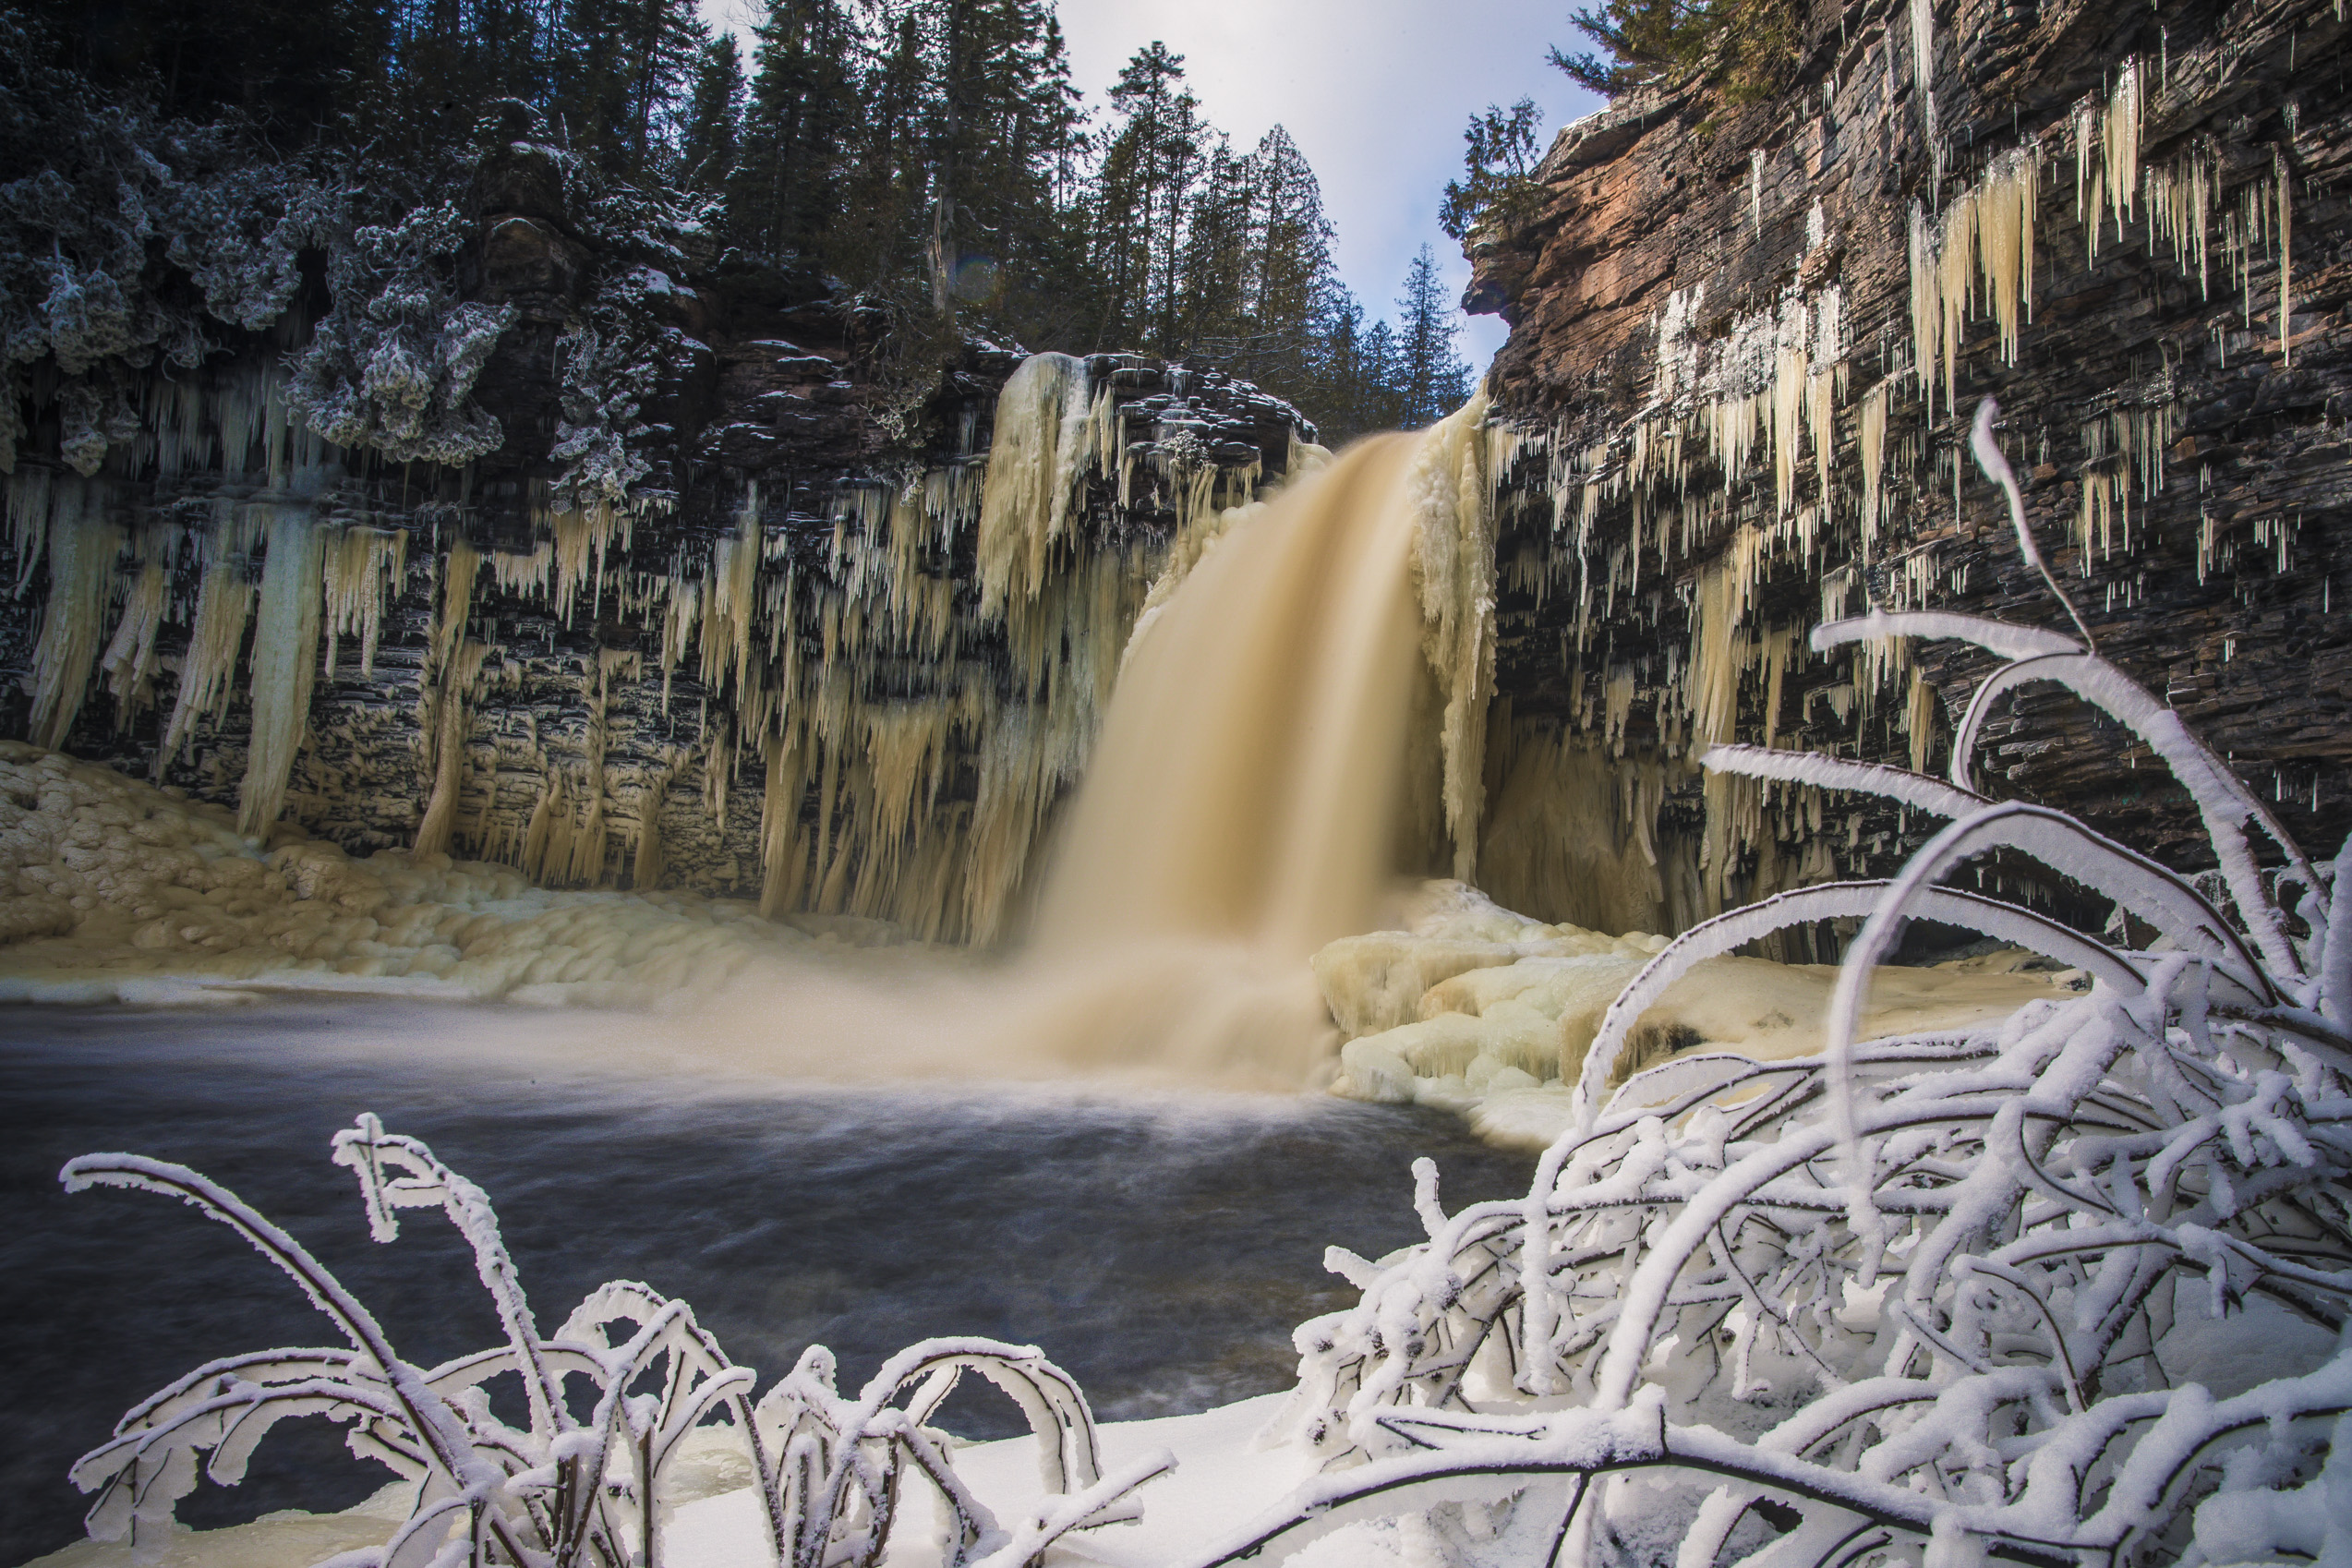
(930, 158)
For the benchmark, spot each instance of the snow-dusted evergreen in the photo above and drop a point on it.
(572, 1487)
(388, 367)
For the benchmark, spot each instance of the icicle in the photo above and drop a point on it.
(29, 497)
(1826, 384)
(1927, 308)
(1922, 67)
(1454, 561)
(460, 675)
(359, 566)
(719, 772)
(2286, 268)
(581, 539)
(130, 658)
(461, 567)
(647, 865)
(286, 644)
(1046, 426)
(2119, 143)
(1872, 439)
(224, 601)
(82, 548)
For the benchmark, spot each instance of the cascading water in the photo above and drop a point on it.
(1248, 778)
(1272, 759)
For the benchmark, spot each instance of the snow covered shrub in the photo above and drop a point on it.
(567, 1488)
(2071, 1288)
(110, 188)
(392, 364)
(613, 362)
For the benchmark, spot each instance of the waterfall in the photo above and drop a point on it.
(1280, 750)
(1247, 779)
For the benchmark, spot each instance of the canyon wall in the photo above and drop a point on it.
(1747, 341)
(734, 599)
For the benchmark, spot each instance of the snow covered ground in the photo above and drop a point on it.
(1226, 1474)
(112, 891)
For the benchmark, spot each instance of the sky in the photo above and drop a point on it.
(1374, 91)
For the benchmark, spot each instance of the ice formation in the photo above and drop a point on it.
(116, 890)
(1669, 510)
(285, 641)
(920, 742)
(1473, 1009)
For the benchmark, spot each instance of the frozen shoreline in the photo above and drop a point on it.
(1222, 1480)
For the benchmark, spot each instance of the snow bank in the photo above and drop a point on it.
(1223, 1473)
(1475, 1010)
(115, 891)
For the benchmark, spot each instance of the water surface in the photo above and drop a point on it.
(1160, 1246)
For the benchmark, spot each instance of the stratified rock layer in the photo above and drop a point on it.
(709, 617)
(1727, 315)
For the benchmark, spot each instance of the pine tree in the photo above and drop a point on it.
(1431, 377)
(624, 68)
(714, 118)
(291, 66)
(787, 190)
(1295, 287)
(1216, 271)
(1498, 163)
(1147, 170)
(1004, 113)
(1384, 406)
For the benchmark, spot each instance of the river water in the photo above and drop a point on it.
(1160, 1245)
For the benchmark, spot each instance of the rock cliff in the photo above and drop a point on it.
(762, 661)
(1748, 341)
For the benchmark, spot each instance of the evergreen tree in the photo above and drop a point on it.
(1498, 163)
(1003, 114)
(623, 69)
(1429, 376)
(1384, 406)
(714, 118)
(787, 188)
(932, 155)
(1147, 169)
(294, 68)
(1295, 287)
(1216, 270)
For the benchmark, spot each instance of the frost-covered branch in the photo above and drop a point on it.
(2074, 1287)
(565, 1491)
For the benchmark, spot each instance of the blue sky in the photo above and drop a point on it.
(1374, 91)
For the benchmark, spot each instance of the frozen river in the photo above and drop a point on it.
(1159, 1245)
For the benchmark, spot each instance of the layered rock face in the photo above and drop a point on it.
(1748, 340)
(825, 654)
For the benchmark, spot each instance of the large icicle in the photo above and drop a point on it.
(285, 650)
(130, 658)
(82, 548)
(360, 564)
(1034, 464)
(224, 601)
(1453, 567)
